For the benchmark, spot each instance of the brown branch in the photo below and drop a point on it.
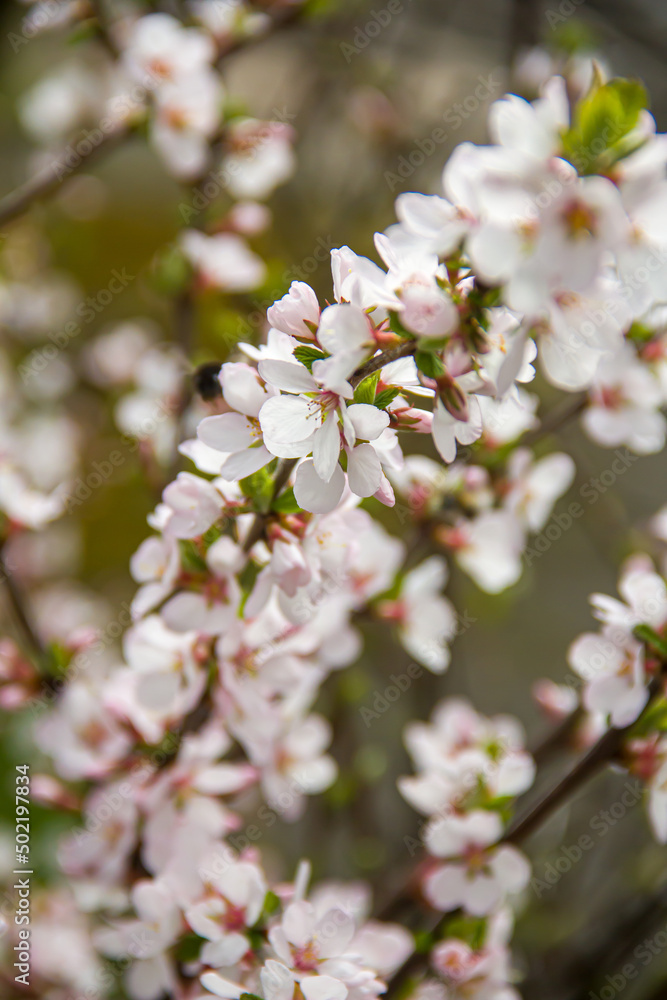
(556, 419)
(50, 177)
(403, 350)
(559, 737)
(23, 617)
(258, 526)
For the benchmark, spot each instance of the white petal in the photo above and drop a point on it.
(244, 463)
(368, 421)
(326, 447)
(289, 419)
(364, 472)
(287, 376)
(227, 432)
(315, 495)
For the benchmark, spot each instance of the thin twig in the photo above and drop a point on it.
(22, 616)
(556, 419)
(58, 170)
(257, 527)
(559, 736)
(602, 752)
(403, 350)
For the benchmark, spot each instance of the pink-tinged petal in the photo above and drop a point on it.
(227, 432)
(313, 494)
(385, 494)
(224, 779)
(309, 737)
(483, 893)
(593, 655)
(326, 447)
(286, 376)
(364, 472)
(368, 421)
(315, 776)
(297, 306)
(289, 419)
(383, 947)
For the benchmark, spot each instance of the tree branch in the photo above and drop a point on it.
(52, 176)
(257, 527)
(403, 350)
(49, 179)
(602, 752)
(22, 616)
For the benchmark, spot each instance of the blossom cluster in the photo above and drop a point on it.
(469, 770)
(547, 251)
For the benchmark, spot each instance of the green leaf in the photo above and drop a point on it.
(365, 391)
(259, 488)
(307, 354)
(250, 996)
(189, 947)
(423, 942)
(191, 559)
(271, 905)
(429, 364)
(472, 930)
(286, 503)
(397, 327)
(602, 120)
(646, 634)
(385, 397)
(639, 333)
(652, 720)
(171, 271)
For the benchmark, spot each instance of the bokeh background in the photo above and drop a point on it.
(360, 112)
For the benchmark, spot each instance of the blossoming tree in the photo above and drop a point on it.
(408, 386)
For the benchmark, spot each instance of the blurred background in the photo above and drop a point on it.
(377, 108)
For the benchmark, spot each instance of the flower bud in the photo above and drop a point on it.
(453, 397)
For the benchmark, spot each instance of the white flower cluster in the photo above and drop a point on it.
(469, 769)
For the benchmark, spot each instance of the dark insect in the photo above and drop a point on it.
(206, 380)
